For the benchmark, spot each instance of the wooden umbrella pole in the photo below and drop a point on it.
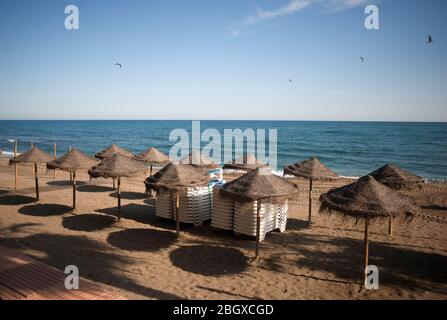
(390, 226)
(74, 188)
(258, 229)
(310, 201)
(71, 174)
(16, 168)
(151, 192)
(37, 181)
(54, 157)
(177, 214)
(366, 248)
(119, 198)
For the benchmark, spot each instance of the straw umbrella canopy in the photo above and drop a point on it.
(117, 166)
(153, 157)
(311, 169)
(176, 178)
(244, 163)
(74, 160)
(259, 185)
(107, 152)
(34, 156)
(368, 200)
(196, 159)
(397, 179)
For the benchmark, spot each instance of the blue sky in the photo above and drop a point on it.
(223, 60)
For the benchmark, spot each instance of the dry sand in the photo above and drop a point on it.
(141, 258)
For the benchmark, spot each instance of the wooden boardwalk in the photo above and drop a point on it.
(23, 278)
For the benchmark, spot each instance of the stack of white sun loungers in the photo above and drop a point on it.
(281, 215)
(165, 205)
(194, 205)
(245, 218)
(242, 217)
(223, 210)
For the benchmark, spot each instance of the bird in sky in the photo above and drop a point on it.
(118, 64)
(290, 80)
(429, 39)
(362, 58)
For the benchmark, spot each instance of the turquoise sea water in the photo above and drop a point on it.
(349, 148)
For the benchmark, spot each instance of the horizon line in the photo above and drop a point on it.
(260, 120)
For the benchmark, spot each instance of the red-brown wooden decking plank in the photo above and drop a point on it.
(24, 278)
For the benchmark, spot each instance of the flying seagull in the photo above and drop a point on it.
(363, 59)
(118, 64)
(429, 39)
(290, 80)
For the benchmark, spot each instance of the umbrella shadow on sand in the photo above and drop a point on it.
(64, 183)
(96, 261)
(15, 200)
(88, 222)
(93, 188)
(209, 260)
(129, 195)
(142, 239)
(297, 224)
(137, 212)
(45, 210)
(398, 267)
(140, 213)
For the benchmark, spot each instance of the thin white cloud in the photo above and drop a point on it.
(339, 5)
(291, 7)
(263, 15)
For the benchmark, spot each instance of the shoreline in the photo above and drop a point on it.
(8, 155)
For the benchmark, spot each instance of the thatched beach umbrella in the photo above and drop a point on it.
(176, 178)
(259, 185)
(368, 200)
(244, 163)
(34, 156)
(117, 166)
(311, 169)
(153, 157)
(107, 152)
(74, 160)
(196, 159)
(395, 178)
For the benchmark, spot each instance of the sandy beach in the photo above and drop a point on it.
(141, 258)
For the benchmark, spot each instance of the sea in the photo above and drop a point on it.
(351, 149)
